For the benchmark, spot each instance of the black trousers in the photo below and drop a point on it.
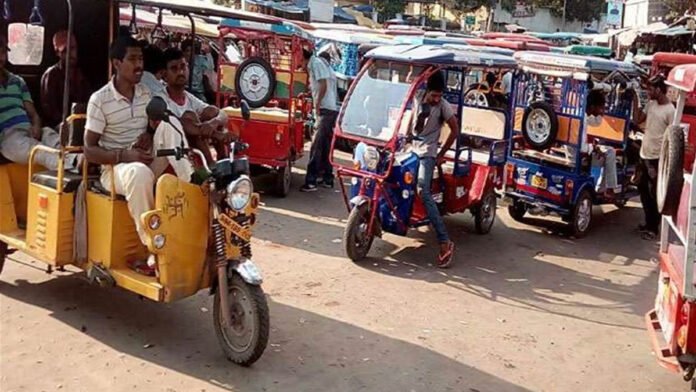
(319, 163)
(648, 193)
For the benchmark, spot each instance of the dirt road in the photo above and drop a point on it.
(521, 310)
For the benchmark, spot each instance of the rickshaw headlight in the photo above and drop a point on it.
(239, 193)
(158, 241)
(154, 222)
(371, 158)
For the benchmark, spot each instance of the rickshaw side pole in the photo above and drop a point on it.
(66, 82)
(193, 50)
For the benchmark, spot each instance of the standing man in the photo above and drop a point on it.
(119, 133)
(431, 114)
(322, 82)
(658, 115)
(53, 81)
(203, 64)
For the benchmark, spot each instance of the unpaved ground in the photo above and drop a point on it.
(521, 310)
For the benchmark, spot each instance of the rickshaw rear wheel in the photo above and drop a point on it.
(283, 180)
(245, 341)
(355, 236)
(3, 254)
(669, 171)
(517, 210)
(484, 213)
(581, 218)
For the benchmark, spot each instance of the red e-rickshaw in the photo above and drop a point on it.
(378, 114)
(270, 77)
(672, 323)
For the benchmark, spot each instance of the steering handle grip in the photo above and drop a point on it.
(166, 152)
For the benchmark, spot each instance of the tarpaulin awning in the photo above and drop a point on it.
(674, 31)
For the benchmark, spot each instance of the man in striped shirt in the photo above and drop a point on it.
(20, 124)
(118, 133)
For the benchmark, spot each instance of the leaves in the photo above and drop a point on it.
(389, 8)
(582, 10)
(460, 7)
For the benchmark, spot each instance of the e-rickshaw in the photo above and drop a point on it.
(671, 324)
(378, 115)
(199, 232)
(545, 172)
(271, 78)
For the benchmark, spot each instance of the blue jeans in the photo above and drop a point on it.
(425, 180)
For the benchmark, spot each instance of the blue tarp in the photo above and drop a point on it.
(341, 16)
(429, 54)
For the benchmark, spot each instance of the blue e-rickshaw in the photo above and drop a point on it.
(546, 172)
(377, 114)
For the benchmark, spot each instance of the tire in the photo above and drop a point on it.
(670, 176)
(475, 97)
(484, 215)
(581, 219)
(3, 255)
(539, 125)
(356, 247)
(517, 210)
(257, 312)
(283, 180)
(255, 81)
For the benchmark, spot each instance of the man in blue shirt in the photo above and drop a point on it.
(322, 82)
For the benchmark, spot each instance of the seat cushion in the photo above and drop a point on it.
(49, 178)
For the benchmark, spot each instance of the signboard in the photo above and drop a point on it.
(614, 12)
(470, 20)
(321, 11)
(522, 10)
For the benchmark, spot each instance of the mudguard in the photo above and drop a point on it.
(249, 272)
(359, 201)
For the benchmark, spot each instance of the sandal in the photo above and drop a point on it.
(141, 267)
(445, 260)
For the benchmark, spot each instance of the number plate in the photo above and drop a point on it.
(235, 228)
(539, 182)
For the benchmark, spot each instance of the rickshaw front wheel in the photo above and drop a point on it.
(355, 236)
(484, 213)
(283, 180)
(246, 339)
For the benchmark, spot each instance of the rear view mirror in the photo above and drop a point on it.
(246, 111)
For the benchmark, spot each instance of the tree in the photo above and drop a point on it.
(461, 7)
(582, 10)
(389, 8)
(680, 7)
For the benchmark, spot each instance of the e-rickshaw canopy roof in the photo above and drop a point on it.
(673, 59)
(683, 77)
(173, 23)
(280, 27)
(553, 63)
(203, 8)
(441, 55)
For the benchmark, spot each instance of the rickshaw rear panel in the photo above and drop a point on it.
(13, 195)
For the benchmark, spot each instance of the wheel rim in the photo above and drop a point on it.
(487, 211)
(476, 98)
(538, 126)
(584, 214)
(254, 82)
(360, 237)
(240, 335)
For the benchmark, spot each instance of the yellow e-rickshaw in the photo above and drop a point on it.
(200, 232)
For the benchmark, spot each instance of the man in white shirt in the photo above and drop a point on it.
(322, 80)
(119, 134)
(202, 123)
(602, 155)
(658, 115)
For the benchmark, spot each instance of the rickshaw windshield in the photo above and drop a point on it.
(374, 106)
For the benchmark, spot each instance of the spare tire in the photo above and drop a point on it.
(670, 177)
(255, 81)
(474, 96)
(539, 125)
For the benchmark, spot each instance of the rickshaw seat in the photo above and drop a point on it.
(4, 160)
(49, 179)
